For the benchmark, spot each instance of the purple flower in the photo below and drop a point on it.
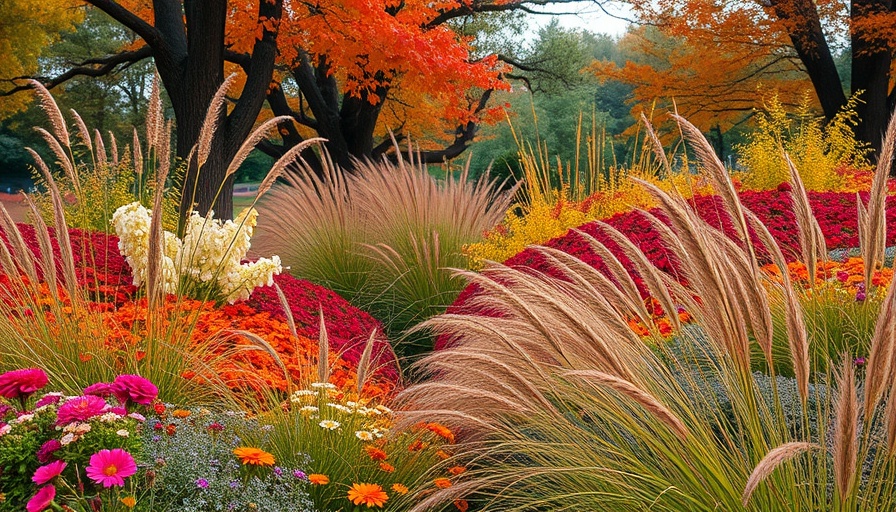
(859, 361)
(47, 450)
(298, 473)
(22, 383)
(134, 388)
(278, 471)
(860, 296)
(234, 484)
(202, 483)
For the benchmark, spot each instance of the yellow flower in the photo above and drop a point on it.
(400, 488)
(254, 456)
(371, 495)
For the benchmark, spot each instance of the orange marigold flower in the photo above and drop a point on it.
(129, 501)
(461, 505)
(442, 483)
(388, 468)
(180, 413)
(442, 454)
(254, 456)
(400, 488)
(417, 445)
(375, 453)
(441, 431)
(371, 495)
(456, 470)
(318, 479)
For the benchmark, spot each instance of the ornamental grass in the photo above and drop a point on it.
(381, 237)
(562, 407)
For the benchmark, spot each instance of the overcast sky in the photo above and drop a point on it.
(586, 15)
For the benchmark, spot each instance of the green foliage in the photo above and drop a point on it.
(815, 149)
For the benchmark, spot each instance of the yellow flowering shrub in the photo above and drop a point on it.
(817, 151)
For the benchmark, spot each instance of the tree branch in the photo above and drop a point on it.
(91, 67)
(150, 34)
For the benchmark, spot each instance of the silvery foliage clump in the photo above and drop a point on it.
(196, 470)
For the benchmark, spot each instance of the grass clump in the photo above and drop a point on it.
(381, 237)
(564, 408)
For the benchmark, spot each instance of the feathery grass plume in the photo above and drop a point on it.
(216, 111)
(846, 419)
(59, 222)
(260, 344)
(254, 138)
(138, 155)
(890, 414)
(155, 120)
(155, 280)
(650, 276)
(873, 219)
(23, 256)
(797, 335)
(636, 394)
(770, 463)
(879, 372)
(49, 106)
(364, 362)
(62, 157)
(101, 157)
(656, 144)
(812, 243)
(287, 311)
(283, 163)
(323, 351)
(46, 261)
(83, 132)
(114, 148)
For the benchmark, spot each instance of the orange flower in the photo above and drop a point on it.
(371, 495)
(129, 501)
(375, 453)
(254, 456)
(180, 413)
(456, 470)
(442, 454)
(318, 479)
(388, 468)
(400, 488)
(417, 445)
(461, 505)
(442, 483)
(441, 431)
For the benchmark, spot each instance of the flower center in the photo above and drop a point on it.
(110, 470)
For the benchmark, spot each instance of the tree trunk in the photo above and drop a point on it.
(871, 62)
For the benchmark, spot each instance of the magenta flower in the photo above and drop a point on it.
(102, 389)
(42, 499)
(111, 467)
(46, 473)
(81, 408)
(22, 383)
(46, 451)
(48, 399)
(134, 388)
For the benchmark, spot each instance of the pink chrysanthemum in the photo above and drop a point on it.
(134, 388)
(111, 467)
(46, 473)
(42, 499)
(24, 382)
(80, 408)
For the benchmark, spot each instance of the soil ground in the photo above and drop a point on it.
(15, 205)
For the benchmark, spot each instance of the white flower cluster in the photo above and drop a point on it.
(210, 253)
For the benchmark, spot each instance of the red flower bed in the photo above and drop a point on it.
(836, 214)
(103, 271)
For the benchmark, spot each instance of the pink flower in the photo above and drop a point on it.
(42, 499)
(18, 383)
(134, 388)
(102, 389)
(48, 399)
(46, 473)
(111, 467)
(46, 451)
(81, 408)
